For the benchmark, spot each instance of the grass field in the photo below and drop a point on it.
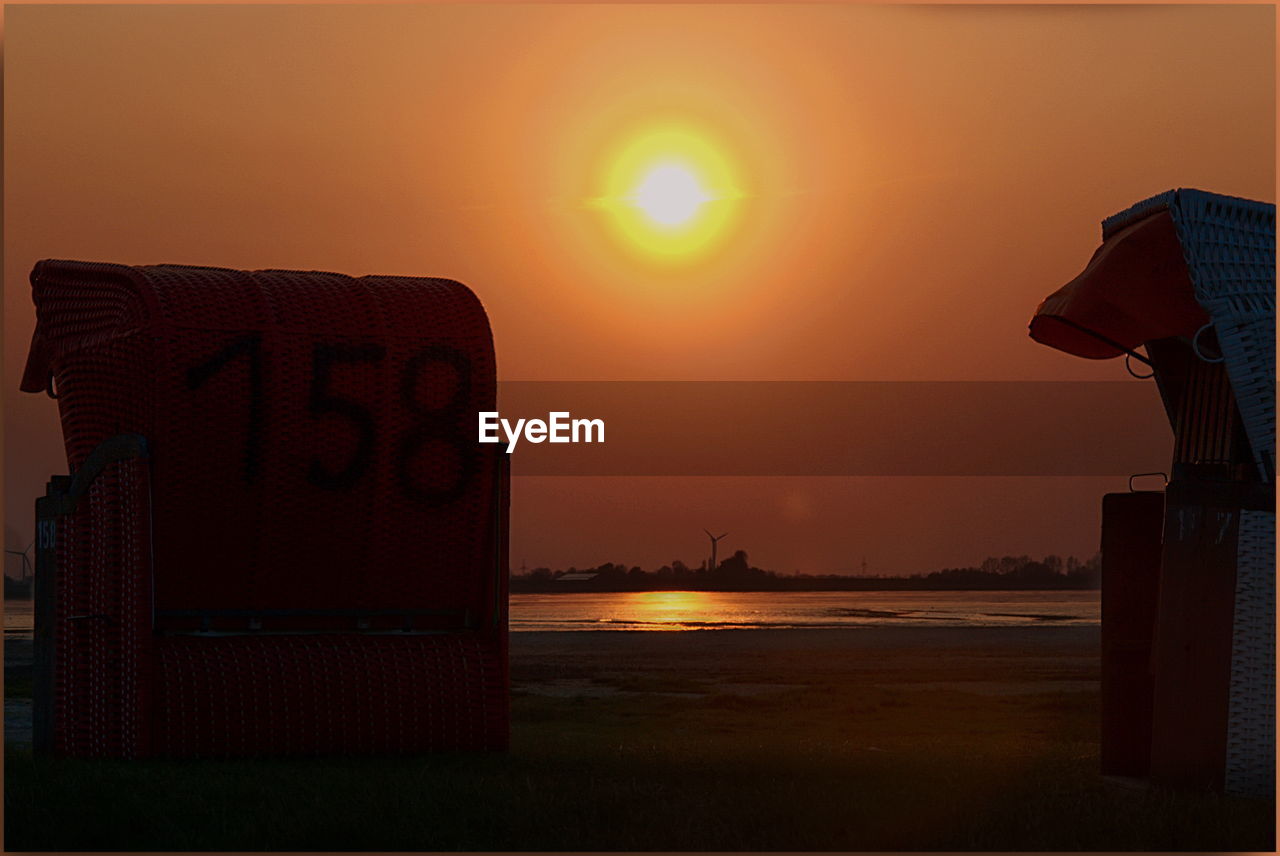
(844, 740)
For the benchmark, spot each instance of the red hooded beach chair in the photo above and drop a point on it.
(279, 535)
(1188, 593)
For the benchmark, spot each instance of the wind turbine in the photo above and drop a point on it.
(715, 539)
(26, 559)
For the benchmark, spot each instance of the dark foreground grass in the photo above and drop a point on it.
(818, 764)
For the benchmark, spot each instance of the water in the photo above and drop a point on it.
(19, 620)
(695, 610)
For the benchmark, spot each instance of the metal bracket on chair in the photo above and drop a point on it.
(1106, 340)
(501, 569)
(1132, 373)
(1195, 345)
(1164, 476)
(121, 447)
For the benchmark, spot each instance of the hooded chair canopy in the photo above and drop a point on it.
(1134, 290)
(1167, 268)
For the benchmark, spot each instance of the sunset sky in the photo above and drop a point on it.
(877, 193)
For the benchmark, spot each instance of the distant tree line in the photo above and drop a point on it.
(737, 574)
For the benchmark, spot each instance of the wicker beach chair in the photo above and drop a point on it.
(1190, 275)
(279, 535)
(1229, 248)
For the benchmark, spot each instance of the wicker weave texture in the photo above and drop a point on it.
(316, 425)
(1229, 245)
(309, 694)
(1251, 724)
(314, 463)
(102, 677)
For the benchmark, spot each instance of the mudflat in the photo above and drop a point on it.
(875, 738)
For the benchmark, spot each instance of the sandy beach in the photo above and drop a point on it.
(747, 663)
(985, 661)
(876, 738)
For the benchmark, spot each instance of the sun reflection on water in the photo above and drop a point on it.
(675, 608)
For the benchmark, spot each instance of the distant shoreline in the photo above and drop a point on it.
(736, 574)
(780, 585)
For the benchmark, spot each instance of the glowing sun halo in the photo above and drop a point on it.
(670, 194)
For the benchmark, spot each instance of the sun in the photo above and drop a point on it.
(671, 193)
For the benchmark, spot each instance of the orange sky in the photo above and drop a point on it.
(915, 180)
